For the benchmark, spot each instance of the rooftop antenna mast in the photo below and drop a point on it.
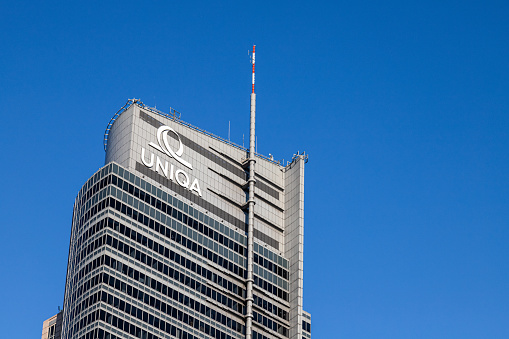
(251, 202)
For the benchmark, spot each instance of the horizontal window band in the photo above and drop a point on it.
(198, 200)
(180, 278)
(271, 324)
(184, 241)
(190, 196)
(107, 169)
(126, 289)
(270, 307)
(159, 249)
(176, 237)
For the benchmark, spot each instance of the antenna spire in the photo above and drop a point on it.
(251, 202)
(253, 62)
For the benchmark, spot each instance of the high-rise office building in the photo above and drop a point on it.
(175, 238)
(183, 234)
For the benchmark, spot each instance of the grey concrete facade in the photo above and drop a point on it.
(170, 204)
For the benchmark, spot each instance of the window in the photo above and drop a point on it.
(51, 332)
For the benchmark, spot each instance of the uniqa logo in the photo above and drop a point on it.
(166, 169)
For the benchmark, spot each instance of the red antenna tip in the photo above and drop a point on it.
(253, 62)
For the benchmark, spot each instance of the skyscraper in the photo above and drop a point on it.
(183, 234)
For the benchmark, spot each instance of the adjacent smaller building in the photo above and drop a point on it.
(52, 327)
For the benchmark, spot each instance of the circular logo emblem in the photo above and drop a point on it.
(164, 145)
(162, 138)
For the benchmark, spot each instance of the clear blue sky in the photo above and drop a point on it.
(402, 106)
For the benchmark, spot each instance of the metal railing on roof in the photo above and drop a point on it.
(175, 116)
(112, 120)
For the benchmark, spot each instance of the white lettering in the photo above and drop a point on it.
(195, 187)
(184, 184)
(159, 165)
(167, 169)
(172, 168)
(151, 163)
